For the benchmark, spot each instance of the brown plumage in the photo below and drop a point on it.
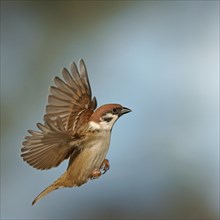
(69, 107)
(72, 130)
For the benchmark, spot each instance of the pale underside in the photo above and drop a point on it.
(70, 130)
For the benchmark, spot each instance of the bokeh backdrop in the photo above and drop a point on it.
(159, 58)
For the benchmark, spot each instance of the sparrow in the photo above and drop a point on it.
(73, 128)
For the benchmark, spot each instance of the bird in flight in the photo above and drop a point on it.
(73, 128)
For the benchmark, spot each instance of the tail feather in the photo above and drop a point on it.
(59, 183)
(45, 192)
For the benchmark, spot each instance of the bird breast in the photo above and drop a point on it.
(91, 157)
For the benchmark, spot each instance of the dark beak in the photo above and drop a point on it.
(124, 111)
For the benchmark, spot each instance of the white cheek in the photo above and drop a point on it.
(94, 126)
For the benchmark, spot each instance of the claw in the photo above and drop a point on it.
(105, 166)
(95, 174)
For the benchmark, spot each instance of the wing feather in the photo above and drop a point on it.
(71, 98)
(69, 108)
(48, 148)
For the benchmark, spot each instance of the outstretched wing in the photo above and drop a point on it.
(69, 108)
(48, 147)
(70, 99)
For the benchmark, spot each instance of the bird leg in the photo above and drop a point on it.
(105, 166)
(95, 174)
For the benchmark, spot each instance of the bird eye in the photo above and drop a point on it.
(114, 110)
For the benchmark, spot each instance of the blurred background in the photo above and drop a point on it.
(159, 58)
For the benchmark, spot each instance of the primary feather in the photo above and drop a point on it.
(69, 108)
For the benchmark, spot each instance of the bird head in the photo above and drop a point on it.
(106, 115)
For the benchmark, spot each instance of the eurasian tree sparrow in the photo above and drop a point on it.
(72, 129)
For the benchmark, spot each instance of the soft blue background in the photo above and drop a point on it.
(159, 58)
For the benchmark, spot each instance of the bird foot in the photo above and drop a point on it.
(95, 174)
(105, 166)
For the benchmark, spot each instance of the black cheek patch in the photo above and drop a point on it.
(107, 119)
